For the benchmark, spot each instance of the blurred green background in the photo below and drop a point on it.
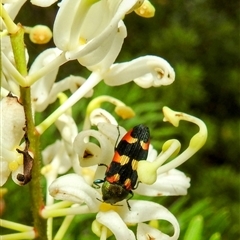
(200, 39)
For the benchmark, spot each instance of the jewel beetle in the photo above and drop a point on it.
(121, 175)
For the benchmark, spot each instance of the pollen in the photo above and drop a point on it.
(82, 41)
(105, 207)
(13, 165)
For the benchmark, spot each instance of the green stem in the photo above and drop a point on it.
(36, 194)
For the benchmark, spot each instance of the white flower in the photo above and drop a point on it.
(73, 187)
(11, 128)
(91, 31)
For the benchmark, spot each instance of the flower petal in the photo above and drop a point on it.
(43, 3)
(90, 153)
(146, 232)
(171, 183)
(67, 128)
(103, 56)
(13, 7)
(100, 115)
(4, 172)
(41, 89)
(154, 212)
(56, 155)
(146, 71)
(12, 122)
(72, 187)
(113, 132)
(89, 20)
(93, 33)
(113, 221)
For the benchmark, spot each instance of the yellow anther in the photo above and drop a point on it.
(39, 34)
(124, 112)
(146, 10)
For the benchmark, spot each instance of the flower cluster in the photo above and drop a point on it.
(91, 32)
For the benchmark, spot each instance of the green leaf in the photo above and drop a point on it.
(215, 236)
(195, 228)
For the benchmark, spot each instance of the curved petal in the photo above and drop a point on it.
(90, 153)
(146, 71)
(67, 128)
(113, 132)
(145, 232)
(41, 89)
(72, 187)
(154, 212)
(56, 155)
(171, 183)
(113, 221)
(103, 56)
(66, 26)
(100, 115)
